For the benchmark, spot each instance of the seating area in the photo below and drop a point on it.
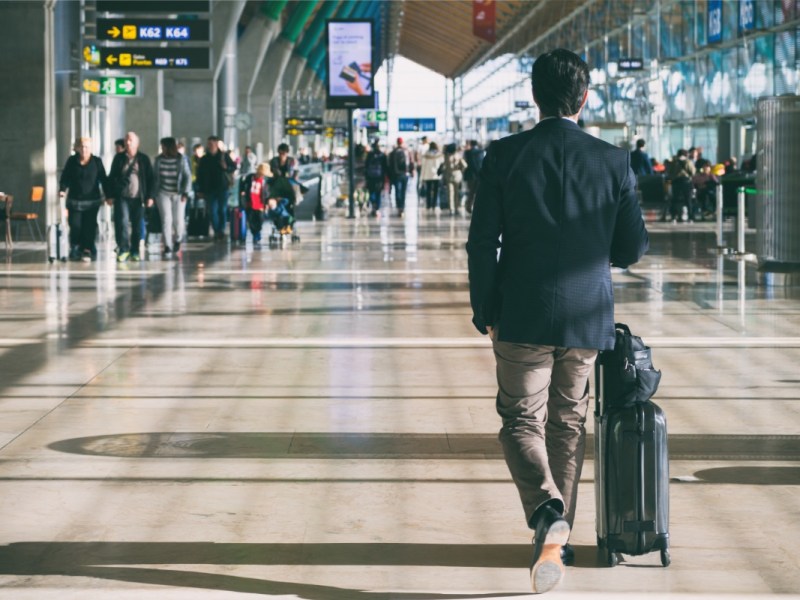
(30, 218)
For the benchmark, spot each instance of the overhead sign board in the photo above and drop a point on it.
(154, 6)
(148, 58)
(416, 125)
(630, 64)
(122, 86)
(349, 79)
(154, 30)
(714, 28)
(303, 122)
(522, 104)
(295, 131)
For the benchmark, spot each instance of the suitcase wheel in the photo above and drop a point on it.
(612, 558)
(665, 559)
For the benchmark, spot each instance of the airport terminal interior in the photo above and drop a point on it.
(312, 415)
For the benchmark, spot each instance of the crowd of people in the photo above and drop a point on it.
(179, 194)
(689, 180)
(446, 179)
(173, 195)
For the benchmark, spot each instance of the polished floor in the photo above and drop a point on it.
(317, 422)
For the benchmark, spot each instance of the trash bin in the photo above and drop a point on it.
(778, 182)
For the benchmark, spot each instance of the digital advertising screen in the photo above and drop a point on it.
(350, 79)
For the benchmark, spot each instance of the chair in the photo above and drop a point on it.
(37, 194)
(5, 215)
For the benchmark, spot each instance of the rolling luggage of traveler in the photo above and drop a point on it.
(198, 219)
(57, 243)
(631, 461)
(238, 225)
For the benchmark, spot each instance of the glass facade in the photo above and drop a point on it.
(704, 61)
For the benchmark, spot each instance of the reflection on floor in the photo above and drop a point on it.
(317, 421)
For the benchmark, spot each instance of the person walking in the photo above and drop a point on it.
(214, 179)
(565, 206)
(254, 193)
(81, 182)
(640, 161)
(375, 170)
(132, 182)
(453, 168)
(474, 159)
(173, 182)
(430, 175)
(400, 166)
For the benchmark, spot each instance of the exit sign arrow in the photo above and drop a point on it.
(119, 86)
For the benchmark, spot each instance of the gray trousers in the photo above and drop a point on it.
(543, 399)
(172, 210)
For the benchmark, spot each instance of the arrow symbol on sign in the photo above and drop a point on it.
(126, 86)
(111, 59)
(114, 32)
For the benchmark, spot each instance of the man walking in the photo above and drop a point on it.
(131, 181)
(400, 165)
(640, 161)
(565, 206)
(214, 179)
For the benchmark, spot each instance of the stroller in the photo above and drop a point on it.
(280, 212)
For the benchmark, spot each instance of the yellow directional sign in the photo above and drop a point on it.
(114, 32)
(129, 32)
(111, 59)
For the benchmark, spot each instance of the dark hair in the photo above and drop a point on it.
(450, 148)
(283, 147)
(170, 147)
(559, 80)
(434, 146)
(120, 142)
(682, 152)
(639, 144)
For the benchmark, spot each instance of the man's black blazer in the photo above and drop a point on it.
(565, 205)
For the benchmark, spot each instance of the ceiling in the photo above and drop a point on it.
(438, 33)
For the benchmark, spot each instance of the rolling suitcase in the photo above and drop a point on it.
(238, 226)
(631, 460)
(57, 243)
(198, 219)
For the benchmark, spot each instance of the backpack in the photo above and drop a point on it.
(399, 161)
(628, 375)
(373, 167)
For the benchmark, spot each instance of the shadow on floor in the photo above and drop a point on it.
(345, 445)
(110, 560)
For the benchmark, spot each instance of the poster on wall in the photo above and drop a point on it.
(350, 50)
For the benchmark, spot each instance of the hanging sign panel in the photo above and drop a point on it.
(120, 86)
(483, 20)
(149, 58)
(154, 30)
(154, 6)
(350, 51)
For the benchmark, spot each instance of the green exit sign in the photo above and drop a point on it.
(122, 85)
(377, 116)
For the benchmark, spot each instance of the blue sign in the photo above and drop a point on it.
(747, 15)
(416, 124)
(714, 21)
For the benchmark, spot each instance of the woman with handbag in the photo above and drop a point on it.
(81, 182)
